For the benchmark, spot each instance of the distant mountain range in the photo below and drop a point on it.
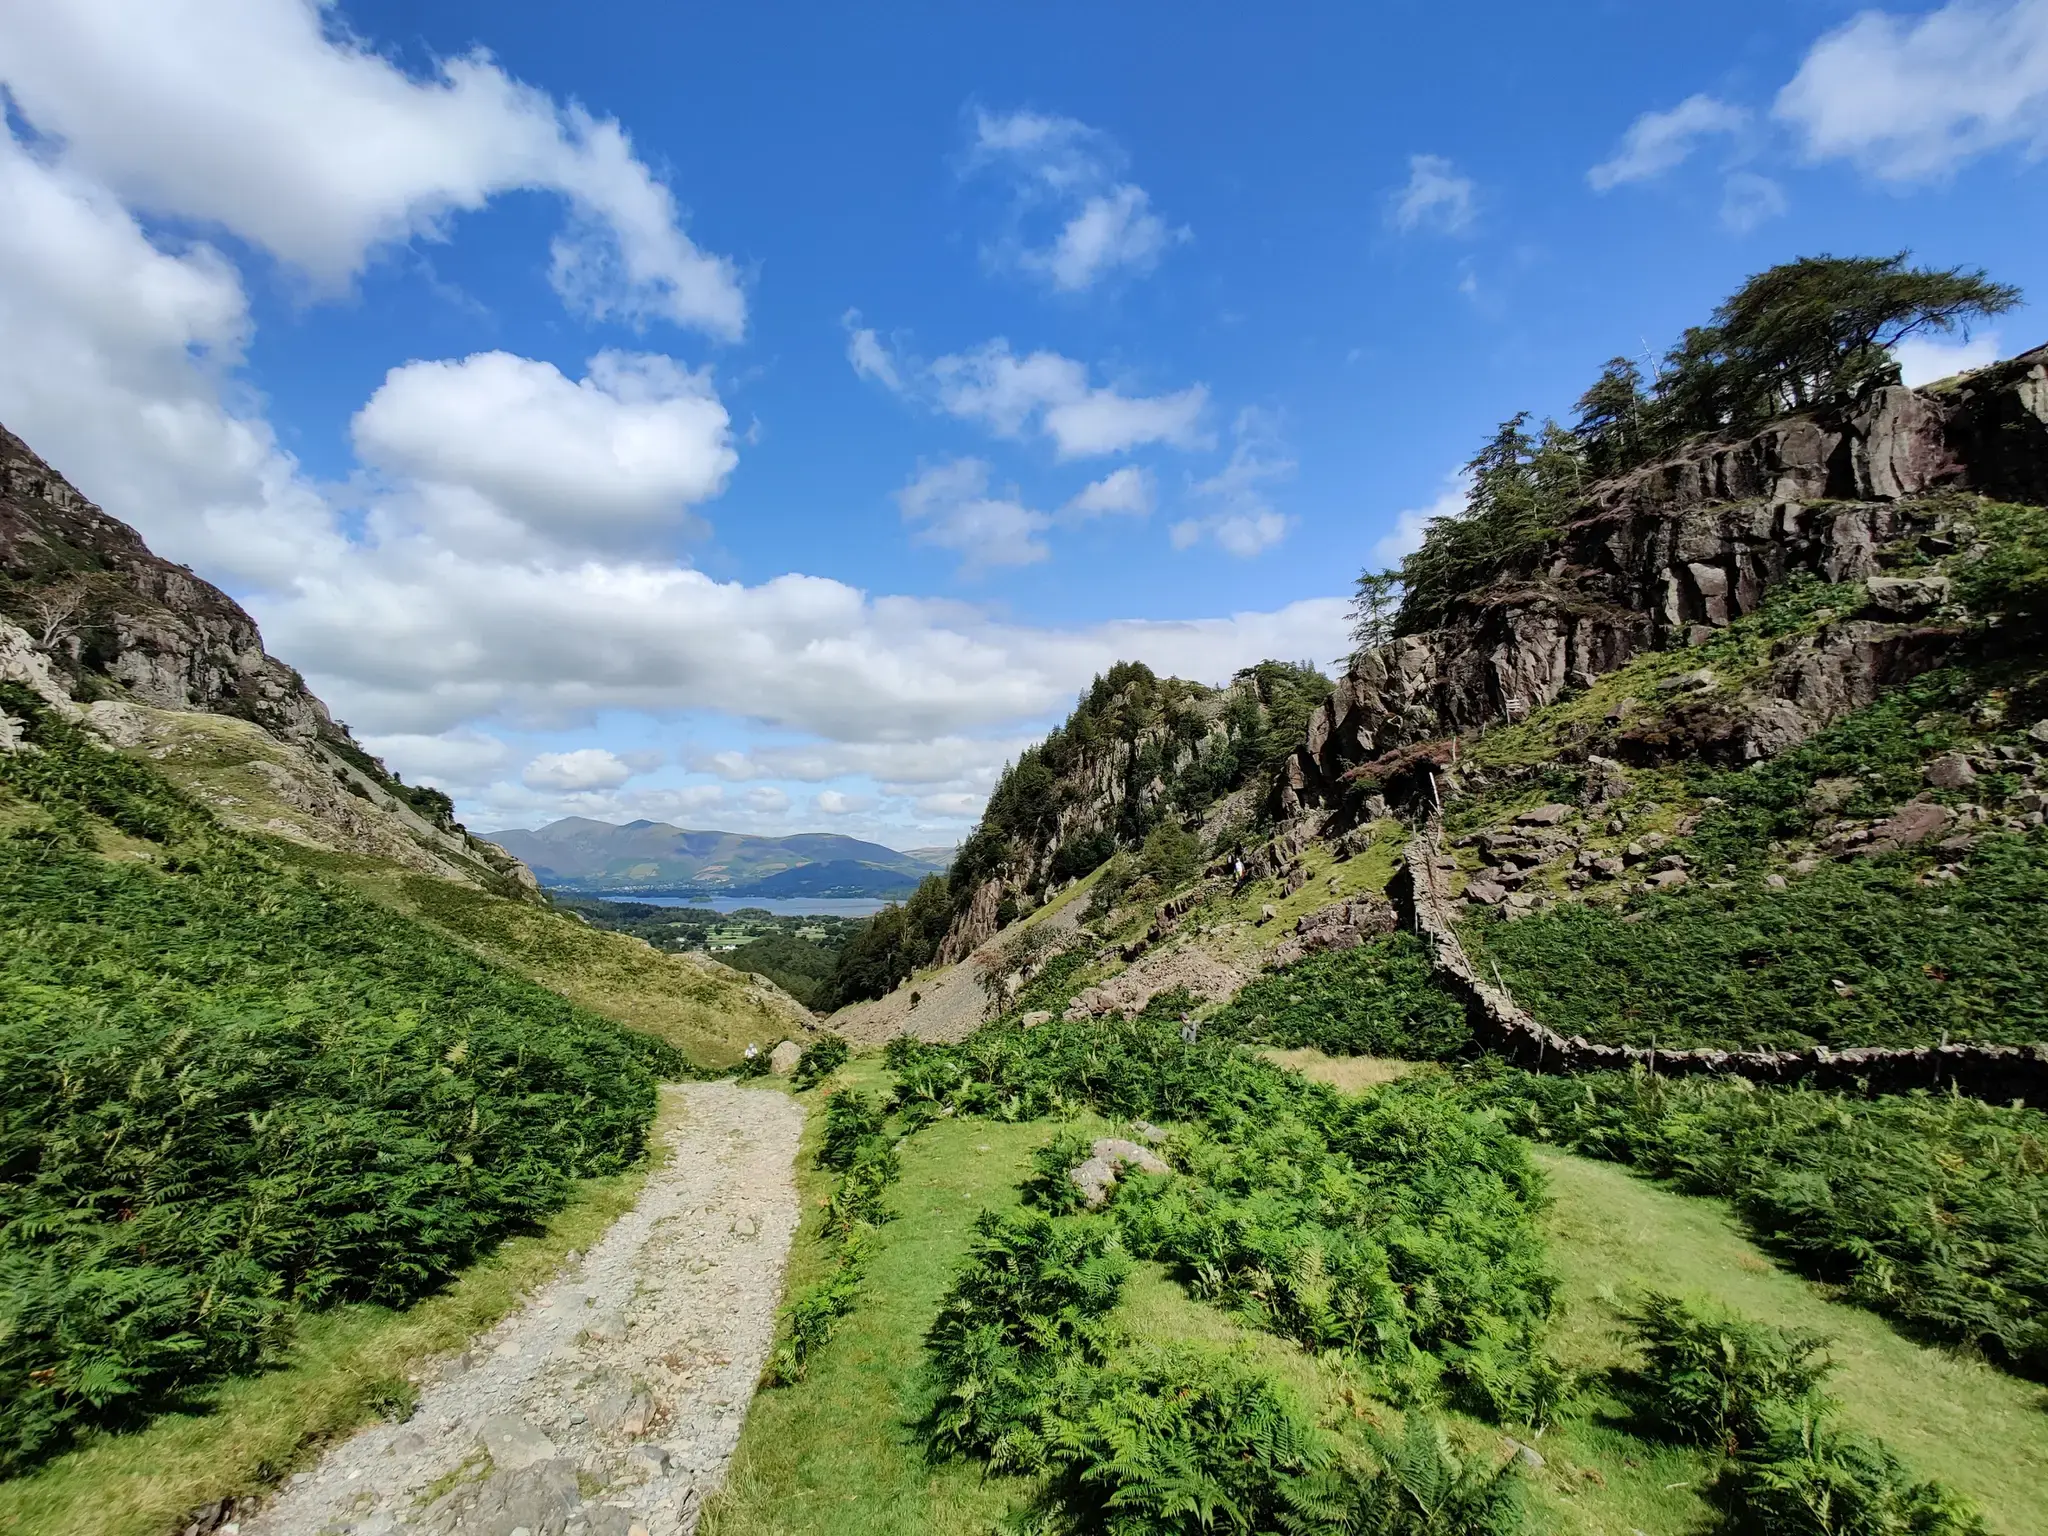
(653, 858)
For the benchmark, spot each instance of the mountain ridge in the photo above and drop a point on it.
(584, 854)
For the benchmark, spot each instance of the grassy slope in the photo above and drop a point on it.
(707, 1010)
(840, 1453)
(1948, 1415)
(256, 1429)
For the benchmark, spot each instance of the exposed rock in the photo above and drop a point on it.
(1698, 541)
(783, 1059)
(1545, 816)
(1108, 1157)
(2038, 732)
(513, 1443)
(1908, 597)
(1913, 823)
(1342, 925)
(1485, 892)
(1667, 880)
(1128, 992)
(1702, 681)
(1951, 770)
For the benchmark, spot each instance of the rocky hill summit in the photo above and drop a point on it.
(159, 660)
(1669, 554)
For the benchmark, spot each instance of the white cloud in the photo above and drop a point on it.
(896, 765)
(496, 440)
(585, 768)
(1057, 163)
(766, 800)
(459, 756)
(261, 117)
(1436, 197)
(1910, 98)
(1660, 141)
(119, 361)
(1115, 230)
(870, 358)
(1922, 359)
(834, 802)
(1412, 523)
(1007, 393)
(960, 806)
(1749, 199)
(1125, 492)
(948, 505)
(114, 357)
(1245, 523)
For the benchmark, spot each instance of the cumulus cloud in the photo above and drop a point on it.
(1910, 98)
(256, 116)
(1063, 166)
(461, 756)
(495, 439)
(585, 768)
(1244, 523)
(1125, 492)
(1435, 198)
(1048, 392)
(1658, 142)
(834, 802)
(1924, 359)
(948, 505)
(114, 360)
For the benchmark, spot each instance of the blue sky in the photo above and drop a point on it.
(770, 416)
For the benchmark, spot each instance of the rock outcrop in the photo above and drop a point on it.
(156, 660)
(1678, 549)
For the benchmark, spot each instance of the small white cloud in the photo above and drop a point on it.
(585, 768)
(963, 806)
(1125, 492)
(948, 505)
(1435, 198)
(1660, 141)
(833, 802)
(1922, 359)
(766, 800)
(870, 358)
(458, 757)
(1413, 523)
(1910, 98)
(1244, 524)
(1748, 199)
(1115, 230)
(1007, 393)
(1062, 165)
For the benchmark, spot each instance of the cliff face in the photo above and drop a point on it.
(165, 663)
(1676, 550)
(1137, 750)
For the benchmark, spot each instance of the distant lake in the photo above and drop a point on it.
(778, 906)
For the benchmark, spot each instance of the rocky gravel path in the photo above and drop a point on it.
(610, 1404)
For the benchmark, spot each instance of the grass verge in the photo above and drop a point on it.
(253, 1431)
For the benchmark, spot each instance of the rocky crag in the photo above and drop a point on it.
(1673, 552)
(161, 662)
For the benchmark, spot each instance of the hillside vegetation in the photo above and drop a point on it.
(231, 1091)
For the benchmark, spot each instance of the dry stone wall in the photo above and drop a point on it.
(1997, 1073)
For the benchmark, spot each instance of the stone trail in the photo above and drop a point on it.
(610, 1404)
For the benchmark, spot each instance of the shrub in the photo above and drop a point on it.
(851, 1119)
(820, 1059)
(1930, 1208)
(1709, 1377)
(1032, 1298)
(1806, 1476)
(1379, 999)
